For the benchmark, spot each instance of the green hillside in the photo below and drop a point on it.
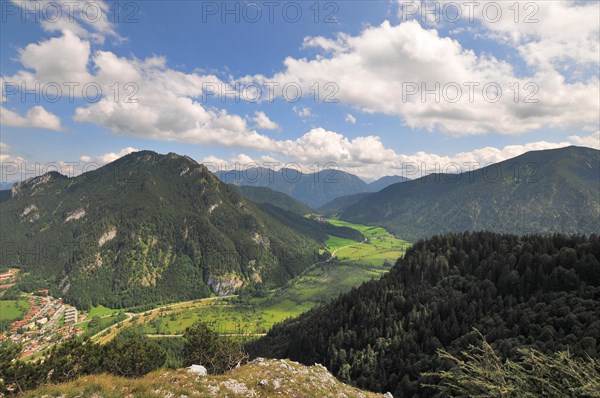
(145, 228)
(531, 292)
(538, 192)
(279, 199)
(339, 204)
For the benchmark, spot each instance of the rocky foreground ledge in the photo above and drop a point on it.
(259, 378)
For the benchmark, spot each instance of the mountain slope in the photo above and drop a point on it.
(279, 199)
(385, 182)
(337, 205)
(142, 229)
(532, 291)
(542, 191)
(314, 189)
(260, 378)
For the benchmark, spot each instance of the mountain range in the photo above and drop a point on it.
(545, 191)
(314, 189)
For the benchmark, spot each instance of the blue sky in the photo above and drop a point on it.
(367, 51)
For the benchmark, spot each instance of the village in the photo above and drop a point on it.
(47, 322)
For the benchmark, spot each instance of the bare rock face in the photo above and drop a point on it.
(107, 236)
(225, 284)
(30, 214)
(75, 215)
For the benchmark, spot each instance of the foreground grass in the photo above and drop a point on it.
(260, 378)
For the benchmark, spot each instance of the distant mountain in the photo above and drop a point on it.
(313, 189)
(385, 182)
(145, 228)
(541, 191)
(337, 205)
(278, 199)
(7, 185)
(5, 195)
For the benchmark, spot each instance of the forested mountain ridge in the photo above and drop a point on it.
(267, 195)
(311, 188)
(142, 229)
(531, 291)
(386, 181)
(545, 191)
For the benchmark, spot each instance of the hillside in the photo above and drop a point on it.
(145, 228)
(337, 205)
(313, 189)
(385, 182)
(519, 292)
(279, 199)
(260, 378)
(538, 192)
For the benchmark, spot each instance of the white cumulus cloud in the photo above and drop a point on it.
(36, 117)
(263, 122)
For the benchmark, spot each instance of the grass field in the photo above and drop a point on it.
(101, 311)
(380, 246)
(11, 310)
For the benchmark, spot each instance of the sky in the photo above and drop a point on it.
(370, 87)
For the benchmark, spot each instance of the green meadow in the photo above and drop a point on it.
(381, 246)
(101, 311)
(11, 310)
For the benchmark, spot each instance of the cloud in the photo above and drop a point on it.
(377, 70)
(151, 100)
(549, 34)
(263, 122)
(592, 140)
(350, 118)
(36, 117)
(90, 19)
(108, 157)
(302, 112)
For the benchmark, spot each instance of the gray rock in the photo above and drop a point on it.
(388, 395)
(198, 369)
(263, 383)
